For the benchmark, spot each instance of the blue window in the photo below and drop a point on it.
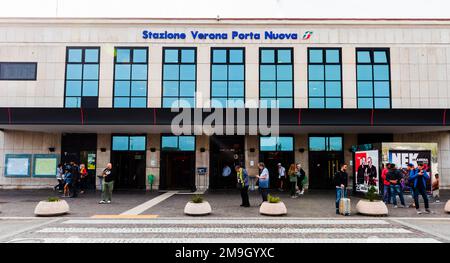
(279, 144)
(227, 77)
(130, 77)
(179, 77)
(373, 78)
(82, 77)
(324, 78)
(276, 78)
(325, 143)
(178, 143)
(128, 143)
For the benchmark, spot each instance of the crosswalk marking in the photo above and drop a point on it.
(225, 230)
(149, 204)
(184, 221)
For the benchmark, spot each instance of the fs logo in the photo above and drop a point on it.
(307, 35)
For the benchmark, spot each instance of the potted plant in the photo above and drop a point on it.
(53, 206)
(197, 206)
(372, 206)
(273, 207)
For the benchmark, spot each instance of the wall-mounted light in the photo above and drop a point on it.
(252, 150)
(302, 150)
(103, 150)
(51, 149)
(153, 149)
(202, 150)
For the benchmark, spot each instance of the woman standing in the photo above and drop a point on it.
(263, 178)
(301, 176)
(292, 174)
(83, 178)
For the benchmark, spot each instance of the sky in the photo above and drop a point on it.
(227, 8)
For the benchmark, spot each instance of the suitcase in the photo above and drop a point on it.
(344, 205)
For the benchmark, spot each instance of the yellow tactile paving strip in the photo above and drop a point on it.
(124, 216)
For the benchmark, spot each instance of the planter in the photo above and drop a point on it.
(447, 207)
(197, 209)
(375, 208)
(273, 209)
(45, 208)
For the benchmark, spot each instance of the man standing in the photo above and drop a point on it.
(419, 177)
(75, 171)
(242, 180)
(281, 176)
(108, 184)
(394, 177)
(340, 181)
(410, 170)
(263, 178)
(386, 187)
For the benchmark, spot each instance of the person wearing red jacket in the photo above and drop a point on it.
(386, 184)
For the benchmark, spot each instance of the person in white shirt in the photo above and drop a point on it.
(263, 178)
(281, 176)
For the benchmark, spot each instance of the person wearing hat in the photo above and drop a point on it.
(394, 176)
(281, 176)
(419, 178)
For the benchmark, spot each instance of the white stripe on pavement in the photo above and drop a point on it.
(237, 221)
(147, 205)
(225, 230)
(373, 239)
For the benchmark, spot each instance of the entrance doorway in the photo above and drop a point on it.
(225, 151)
(128, 157)
(82, 149)
(325, 157)
(177, 163)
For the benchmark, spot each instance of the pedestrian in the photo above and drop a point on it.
(293, 176)
(341, 182)
(67, 181)
(435, 188)
(75, 171)
(59, 178)
(410, 169)
(263, 178)
(242, 182)
(83, 178)
(226, 172)
(281, 176)
(419, 178)
(394, 177)
(301, 177)
(108, 184)
(386, 184)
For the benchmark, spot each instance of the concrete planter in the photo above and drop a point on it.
(375, 208)
(273, 209)
(447, 207)
(45, 208)
(197, 209)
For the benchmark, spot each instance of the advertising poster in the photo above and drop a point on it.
(366, 164)
(45, 165)
(91, 161)
(17, 165)
(401, 158)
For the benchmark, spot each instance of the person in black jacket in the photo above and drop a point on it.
(394, 176)
(341, 182)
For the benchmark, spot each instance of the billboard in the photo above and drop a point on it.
(366, 170)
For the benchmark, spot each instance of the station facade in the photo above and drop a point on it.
(103, 90)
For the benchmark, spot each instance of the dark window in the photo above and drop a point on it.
(179, 77)
(82, 77)
(324, 78)
(282, 143)
(227, 78)
(373, 78)
(130, 77)
(276, 77)
(18, 71)
(325, 143)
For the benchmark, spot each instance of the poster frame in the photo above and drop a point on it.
(24, 156)
(36, 156)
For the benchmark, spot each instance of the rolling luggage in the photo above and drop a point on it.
(344, 205)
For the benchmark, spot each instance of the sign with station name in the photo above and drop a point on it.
(233, 35)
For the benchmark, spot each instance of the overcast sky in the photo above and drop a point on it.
(228, 8)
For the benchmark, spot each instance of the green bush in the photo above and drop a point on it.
(53, 199)
(197, 199)
(273, 199)
(372, 194)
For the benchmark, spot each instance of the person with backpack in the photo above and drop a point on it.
(419, 178)
(341, 182)
(394, 176)
(292, 175)
(242, 182)
(410, 169)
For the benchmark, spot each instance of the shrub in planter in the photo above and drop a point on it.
(372, 206)
(273, 207)
(197, 206)
(53, 206)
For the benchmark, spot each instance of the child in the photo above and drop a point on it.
(435, 188)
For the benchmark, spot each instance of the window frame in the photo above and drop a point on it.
(327, 141)
(278, 136)
(324, 63)
(15, 79)
(179, 63)
(227, 63)
(131, 62)
(275, 63)
(178, 142)
(372, 63)
(128, 136)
